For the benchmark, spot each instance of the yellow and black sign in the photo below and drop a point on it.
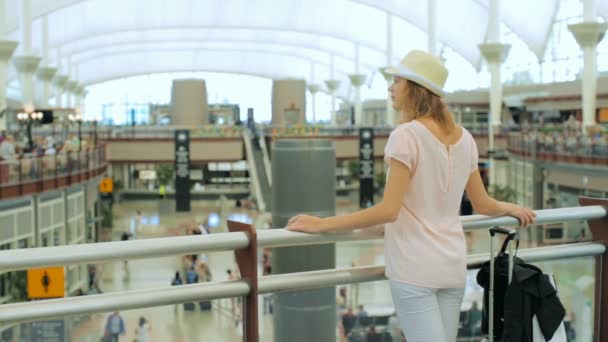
(106, 185)
(46, 283)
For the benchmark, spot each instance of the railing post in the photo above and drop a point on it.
(247, 260)
(599, 232)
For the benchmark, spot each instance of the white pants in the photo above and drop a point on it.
(427, 314)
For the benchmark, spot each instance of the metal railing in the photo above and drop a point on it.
(558, 146)
(152, 248)
(29, 168)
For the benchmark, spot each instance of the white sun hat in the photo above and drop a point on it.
(422, 68)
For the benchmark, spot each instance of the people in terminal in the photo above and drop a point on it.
(431, 161)
(143, 330)
(115, 327)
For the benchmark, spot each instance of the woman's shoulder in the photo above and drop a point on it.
(404, 128)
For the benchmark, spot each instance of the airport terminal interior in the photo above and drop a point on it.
(141, 141)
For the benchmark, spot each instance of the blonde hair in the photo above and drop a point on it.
(420, 102)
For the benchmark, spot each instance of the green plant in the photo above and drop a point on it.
(19, 286)
(164, 174)
(118, 185)
(502, 193)
(353, 170)
(380, 181)
(106, 216)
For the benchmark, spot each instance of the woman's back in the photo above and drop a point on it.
(427, 236)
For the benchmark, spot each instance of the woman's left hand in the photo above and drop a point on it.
(306, 224)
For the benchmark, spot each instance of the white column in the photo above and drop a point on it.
(25, 26)
(314, 89)
(432, 26)
(494, 53)
(390, 113)
(71, 87)
(588, 34)
(46, 75)
(357, 80)
(6, 51)
(26, 67)
(391, 119)
(26, 64)
(332, 85)
(60, 83)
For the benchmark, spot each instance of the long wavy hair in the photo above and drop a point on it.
(420, 102)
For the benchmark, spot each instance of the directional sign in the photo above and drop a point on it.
(366, 167)
(46, 283)
(106, 185)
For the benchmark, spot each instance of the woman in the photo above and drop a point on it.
(143, 330)
(431, 162)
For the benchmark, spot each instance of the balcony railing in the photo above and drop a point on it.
(246, 240)
(560, 147)
(31, 173)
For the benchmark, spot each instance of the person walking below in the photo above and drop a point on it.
(115, 326)
(431, 161)
(143, 330)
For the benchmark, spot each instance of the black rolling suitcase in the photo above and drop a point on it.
(499, 272)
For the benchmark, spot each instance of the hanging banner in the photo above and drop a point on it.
(182, 170)
(366, 167)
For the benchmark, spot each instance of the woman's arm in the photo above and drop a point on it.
(485, 205)
(384, 212)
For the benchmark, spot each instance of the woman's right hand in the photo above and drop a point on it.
(525, 216)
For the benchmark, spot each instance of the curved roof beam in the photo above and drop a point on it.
(246, 62)
(311, 33)
(197, 51)
(76, 55)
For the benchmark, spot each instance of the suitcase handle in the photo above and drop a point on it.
(511, 235)
(504, 231)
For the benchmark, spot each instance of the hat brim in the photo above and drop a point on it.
(408, 74)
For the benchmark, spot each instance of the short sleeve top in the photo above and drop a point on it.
(425, 246)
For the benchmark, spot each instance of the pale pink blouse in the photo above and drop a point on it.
(425, 246)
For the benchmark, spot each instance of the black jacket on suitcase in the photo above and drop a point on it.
(530, 293)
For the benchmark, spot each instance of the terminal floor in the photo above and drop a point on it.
(171, 323)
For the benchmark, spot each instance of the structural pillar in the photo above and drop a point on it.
(46, 75)
(60, 82)
(332, 87)
(7, 48)
(357, 81)
(588, 34)
(26, 67)
(432, 26)
(314, 89)
(312, 192)
(390, 113)
(494, 53)
(391, 120)
(189, 105)
(71, 87)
